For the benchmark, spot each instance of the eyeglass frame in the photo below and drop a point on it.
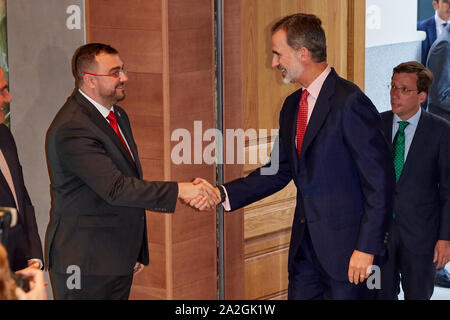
(403, 90)
(115, 75)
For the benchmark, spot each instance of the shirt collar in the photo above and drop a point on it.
(103, 110)
(413, 121)
(438, 20)
(315, 87)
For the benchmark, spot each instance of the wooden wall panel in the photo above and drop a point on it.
(168, 48)
(356, 42)
(272, 268)
(191, 95)
(233, 113)
(139, 49)
(136, 14)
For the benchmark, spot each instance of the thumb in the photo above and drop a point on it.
(197, 180)
(20, 294)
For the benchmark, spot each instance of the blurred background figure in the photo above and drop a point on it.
(23, 242)
(8, 288)
(434, 25)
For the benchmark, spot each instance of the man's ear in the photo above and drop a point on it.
(89, 81)
(435, 5)
(302, 54)
(423, 97)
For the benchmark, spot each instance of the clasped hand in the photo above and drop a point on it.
(199, 194)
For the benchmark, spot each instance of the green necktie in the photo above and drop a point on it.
(398, 148)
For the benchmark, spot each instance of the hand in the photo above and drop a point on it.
(441, 253)
(37, 285)
(138, 268)
(202, 203)
(34, 264)
(200, 194)
(359, 267)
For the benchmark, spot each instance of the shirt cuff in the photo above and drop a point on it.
(41, 265)
(226, 204)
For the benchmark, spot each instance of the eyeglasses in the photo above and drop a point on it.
(115, 74)
(402, 90)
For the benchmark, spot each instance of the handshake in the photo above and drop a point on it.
(199, 194)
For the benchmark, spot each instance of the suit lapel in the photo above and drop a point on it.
(417, 144)
(4, 185)
(100, 122)
(387, 126)
(126, 130)
(291, 128)
(320, 112)
(432, 31)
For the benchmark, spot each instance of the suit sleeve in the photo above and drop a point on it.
(439, 63)
(262, 182)
(33, 240)
(373, 159)
(84, 155)
(444, 184)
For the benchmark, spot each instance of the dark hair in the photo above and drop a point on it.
(304, 30)
(424, 76)
(7, 285)
(84, 58)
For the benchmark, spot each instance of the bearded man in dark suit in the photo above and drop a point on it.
(98, 223)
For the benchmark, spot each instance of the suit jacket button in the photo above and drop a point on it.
(303, 220)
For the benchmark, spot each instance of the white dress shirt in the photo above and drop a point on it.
(104, 111)
(439, 24)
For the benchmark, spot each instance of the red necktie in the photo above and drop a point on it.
(302, 120)
(113, 122)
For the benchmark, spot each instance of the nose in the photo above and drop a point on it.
(5, 97)
(395, 92)
(275, 61)
(8, 97)
(123, 77)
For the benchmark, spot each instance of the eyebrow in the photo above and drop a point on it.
(116, 68)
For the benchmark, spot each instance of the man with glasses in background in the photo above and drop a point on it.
(98, 223)
(420, 223)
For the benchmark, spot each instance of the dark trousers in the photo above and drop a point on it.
(414, 271)
(309, 281)
(91, 287)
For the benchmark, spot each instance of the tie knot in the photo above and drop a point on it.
(111, 117)
(444, 24)
(402, 125)
(305, 94)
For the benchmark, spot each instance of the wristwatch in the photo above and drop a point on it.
(223, 195)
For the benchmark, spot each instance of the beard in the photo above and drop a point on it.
(112, 96)
(292, 74)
